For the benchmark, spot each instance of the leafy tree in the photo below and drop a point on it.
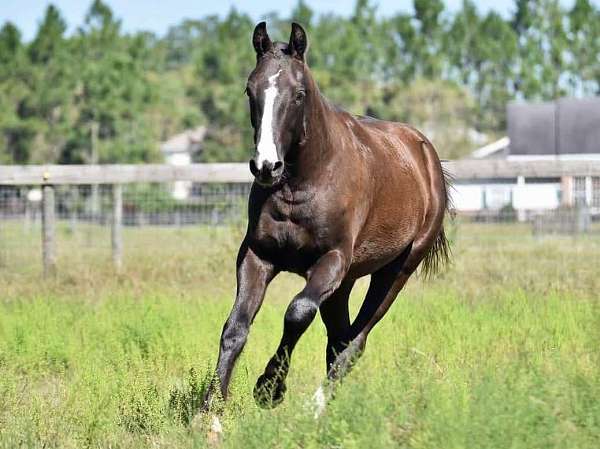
(49, 37)
(113, 94)
(15, 136)
(542, 45)
(493, 56)
(461, 42)
(584, 45)
(303, 14)
(221, 91)
(49, 105)
(10, 44)
(428, 14)
(102, 95)
(436, 107)
(500, 53)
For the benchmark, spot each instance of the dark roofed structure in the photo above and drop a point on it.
(564, 130)
(531, 128)
(578, 125)
(566, 126)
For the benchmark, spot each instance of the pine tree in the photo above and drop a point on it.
(584, 45)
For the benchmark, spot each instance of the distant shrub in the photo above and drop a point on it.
(142, 410)
(185, 400)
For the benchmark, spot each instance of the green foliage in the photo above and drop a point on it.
(439, 107)
(49, 37)
(499, 352)
(102, 95)
(10, 44)
(141, 410)
(185, 400)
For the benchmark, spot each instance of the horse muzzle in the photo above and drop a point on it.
(267, 173)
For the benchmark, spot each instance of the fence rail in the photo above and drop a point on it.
(123, 174)
(239, 173)
(109, 194)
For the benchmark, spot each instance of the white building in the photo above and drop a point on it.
(179, 150)
(568, 129)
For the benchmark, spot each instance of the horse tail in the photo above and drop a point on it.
(439, 255)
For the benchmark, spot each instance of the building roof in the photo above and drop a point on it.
(565, 126)
(579, 125)
(188, 141)
(568, 128)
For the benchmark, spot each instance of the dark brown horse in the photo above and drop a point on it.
(336, 197)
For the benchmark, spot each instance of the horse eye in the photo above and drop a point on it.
(300, 96)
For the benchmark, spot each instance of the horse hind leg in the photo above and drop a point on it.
(336, 317)
(383, 289)
(430, 247)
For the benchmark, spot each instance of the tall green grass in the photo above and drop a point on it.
(500, 351)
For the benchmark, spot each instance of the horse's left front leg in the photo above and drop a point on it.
(323, 279)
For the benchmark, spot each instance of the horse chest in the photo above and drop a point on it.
(286, 232)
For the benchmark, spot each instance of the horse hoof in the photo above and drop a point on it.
(268, 392)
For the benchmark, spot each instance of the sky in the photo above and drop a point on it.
(159, 15)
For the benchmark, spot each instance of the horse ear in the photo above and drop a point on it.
(298, 42)
(260, 40)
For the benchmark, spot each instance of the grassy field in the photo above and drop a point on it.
(500, 351)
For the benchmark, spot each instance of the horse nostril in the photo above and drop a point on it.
(277, 166)
(253, 167)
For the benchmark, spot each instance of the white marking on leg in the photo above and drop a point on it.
(215, 425)
(320, 401)
(266, 149)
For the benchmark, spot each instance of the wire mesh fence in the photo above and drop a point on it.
(84, 217)
(155, 214)
(143, 204)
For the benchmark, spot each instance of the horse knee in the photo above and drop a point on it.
(300, 314)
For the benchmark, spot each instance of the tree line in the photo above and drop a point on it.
(100, 95)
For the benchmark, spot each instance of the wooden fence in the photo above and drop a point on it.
(239, 172)
(47, 177)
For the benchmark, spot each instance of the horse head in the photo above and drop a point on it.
(277, 90)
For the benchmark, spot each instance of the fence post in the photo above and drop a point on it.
(73, 200)
(117, 226)
(48, 231)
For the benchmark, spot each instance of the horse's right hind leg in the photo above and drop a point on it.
(336, 317)
(382, 292)
(383, 289)
(384, 285)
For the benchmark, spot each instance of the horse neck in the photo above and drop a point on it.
(314, 151)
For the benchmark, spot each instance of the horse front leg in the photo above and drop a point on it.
(253, 276)
(323, 279)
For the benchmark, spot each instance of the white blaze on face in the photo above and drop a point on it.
(267, 152)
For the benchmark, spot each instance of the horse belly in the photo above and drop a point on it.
(379, 244)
